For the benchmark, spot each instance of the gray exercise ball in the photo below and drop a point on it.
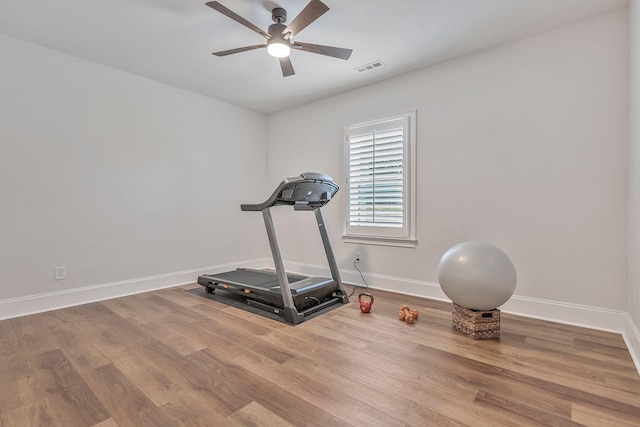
(477, 275)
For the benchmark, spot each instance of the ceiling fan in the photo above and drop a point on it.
(280, 37)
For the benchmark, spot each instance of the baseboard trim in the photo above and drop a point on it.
(566, 313)
(31, 304)
(631, 336)
(561, 312)
(570, 314)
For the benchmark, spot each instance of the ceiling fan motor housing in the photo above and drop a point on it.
(275, 30)
(279, 15)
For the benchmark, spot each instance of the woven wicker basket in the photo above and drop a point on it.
(477, 324)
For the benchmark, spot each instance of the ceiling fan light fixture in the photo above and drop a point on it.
(280, 36)
(278, 48)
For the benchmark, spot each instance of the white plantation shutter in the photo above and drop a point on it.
(376, 177)
(378, 172)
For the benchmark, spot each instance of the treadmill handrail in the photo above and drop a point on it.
(284, 192)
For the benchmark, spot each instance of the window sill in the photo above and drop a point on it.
(380, 241)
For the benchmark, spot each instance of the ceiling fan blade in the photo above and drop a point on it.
(336, 52)
(287, 66)
(310, 13)
(231, 14)
(238, 50)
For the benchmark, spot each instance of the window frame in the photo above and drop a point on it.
(404, 236)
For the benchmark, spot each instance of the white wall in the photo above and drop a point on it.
(523, 146)
(117, 177)
(632, 333)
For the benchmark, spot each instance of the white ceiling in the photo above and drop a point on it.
(171, 41)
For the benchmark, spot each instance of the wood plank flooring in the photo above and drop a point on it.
(169, 358)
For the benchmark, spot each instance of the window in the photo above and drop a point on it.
(380, 171)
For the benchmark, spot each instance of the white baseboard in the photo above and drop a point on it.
(631, 336)
(31, 304)
(572, 314)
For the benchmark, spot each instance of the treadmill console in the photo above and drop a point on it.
(308, 191)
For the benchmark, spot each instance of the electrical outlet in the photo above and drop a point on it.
(358, 257)
(59, 273)
(248, 249)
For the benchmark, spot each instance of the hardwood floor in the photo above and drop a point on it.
(170, 358)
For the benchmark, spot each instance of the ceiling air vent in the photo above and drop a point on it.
(372, 66)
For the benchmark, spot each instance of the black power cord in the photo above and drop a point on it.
(366, 285)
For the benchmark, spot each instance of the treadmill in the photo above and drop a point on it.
(291, 296)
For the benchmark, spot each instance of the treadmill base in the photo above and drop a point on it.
(241, 302)
(261, 288)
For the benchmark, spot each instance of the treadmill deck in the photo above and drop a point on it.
(251, 278)
(263, 285)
